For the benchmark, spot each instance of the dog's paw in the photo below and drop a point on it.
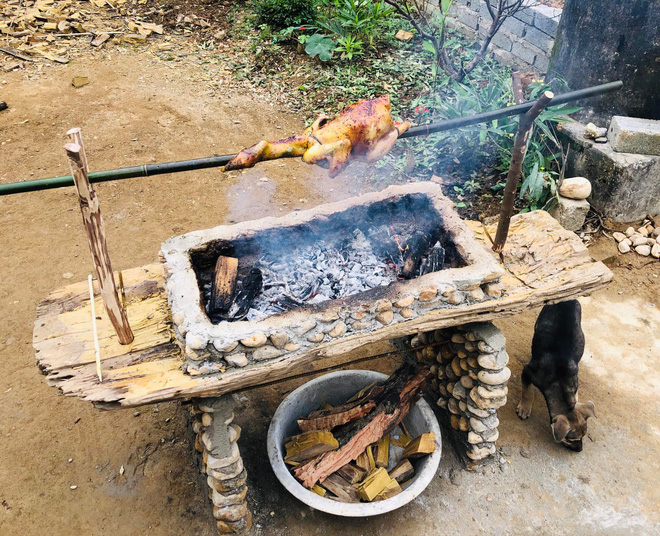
(523, 411)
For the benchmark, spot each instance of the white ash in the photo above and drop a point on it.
(317, 273)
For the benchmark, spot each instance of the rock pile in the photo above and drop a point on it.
(469, 365)
(221, 464)
(572, 206)
(645, 240)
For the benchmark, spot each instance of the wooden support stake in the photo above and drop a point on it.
(93, 222)
(515, 169)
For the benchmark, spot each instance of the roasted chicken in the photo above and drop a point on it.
(362, 129)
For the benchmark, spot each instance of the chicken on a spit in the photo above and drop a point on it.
(362, 129)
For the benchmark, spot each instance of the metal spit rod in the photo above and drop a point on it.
(146, 170)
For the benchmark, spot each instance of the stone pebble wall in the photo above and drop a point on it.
(204, 357)
(524, 40)
(221, 464)
(470, 378)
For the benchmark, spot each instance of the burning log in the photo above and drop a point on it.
(434, 261)
(250, 287)
(224, 283)
(399, 392)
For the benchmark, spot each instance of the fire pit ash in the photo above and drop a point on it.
(278, 286)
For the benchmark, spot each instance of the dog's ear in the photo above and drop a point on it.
(560, 427)
(588, 409)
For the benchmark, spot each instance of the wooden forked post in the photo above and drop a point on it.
(515, 168)
(93, 222)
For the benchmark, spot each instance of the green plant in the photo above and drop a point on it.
(349, 46)
(280, 14)
(319, 45)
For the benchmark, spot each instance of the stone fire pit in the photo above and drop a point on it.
(470, 275)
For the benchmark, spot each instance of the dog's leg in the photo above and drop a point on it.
(524, 408)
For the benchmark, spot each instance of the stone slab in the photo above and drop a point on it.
(634, 135)
(625, 186)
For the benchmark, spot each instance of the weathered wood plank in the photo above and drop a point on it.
(545, 264)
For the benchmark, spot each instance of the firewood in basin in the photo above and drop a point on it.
(364, 128)
(374, 484)
(393, 488)
(351, 473)
(383, 452)
(402, 471)
(309, 445)
(340, 488)
(420, 446)
(400, 391)
(327, 419)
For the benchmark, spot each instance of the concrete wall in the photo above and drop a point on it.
(524, 41)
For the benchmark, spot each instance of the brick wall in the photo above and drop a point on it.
(524, 41)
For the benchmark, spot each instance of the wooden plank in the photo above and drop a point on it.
(545, 264)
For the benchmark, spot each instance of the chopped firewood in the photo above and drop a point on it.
(401, 441)
(358, 406)
(402, 471)
(363, 392)
(393, 488)
(362, 461)
(375, 483)
(333, 417)
(351, 473)
(343, 490)
(308, 445)
(318, 490)
(224, 283)
(383, 452)
(399, 392)
(370, 457)
(420, 446)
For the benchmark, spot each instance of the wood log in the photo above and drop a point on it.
(420, 446)
(402, 471)
(309, 445)
(399, 393)
(362, 461)
(331, 418)
(393, 488)
(224, 283)
(95, 229)
(374, 484)
(351, 473)
(383, 452)
(343, 490)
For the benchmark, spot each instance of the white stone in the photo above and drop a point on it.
(481, 452)
(467, 382)
(496, 378)
(644, 250)
(238, 360)
(575, 188)
(592, 131)
(619, 237)
(477, 425)
(500, 392)
(493, 361)
(223, 345)
(279, 339)
(474, 438)
(630, 231)
(196, 342)
(656, 232)
(623, 247)
(643, 231)
(655, 251)
(459, 391)
(638, 240)
(266, 352)
(256, 340)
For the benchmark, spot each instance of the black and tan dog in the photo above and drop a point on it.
(557, 348)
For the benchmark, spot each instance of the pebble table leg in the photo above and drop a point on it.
(469, 365)
(216, 440)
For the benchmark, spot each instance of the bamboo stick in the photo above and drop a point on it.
(515, 168)
(95, 229)
(97, 350)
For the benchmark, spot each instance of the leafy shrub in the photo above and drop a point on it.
(280, 14)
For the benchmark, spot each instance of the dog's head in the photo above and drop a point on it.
(569, 429)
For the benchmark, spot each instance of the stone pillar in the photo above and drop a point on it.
(469, 365)
(216, 440)
(601, 42)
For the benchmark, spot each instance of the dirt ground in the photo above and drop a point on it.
(138, 109)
